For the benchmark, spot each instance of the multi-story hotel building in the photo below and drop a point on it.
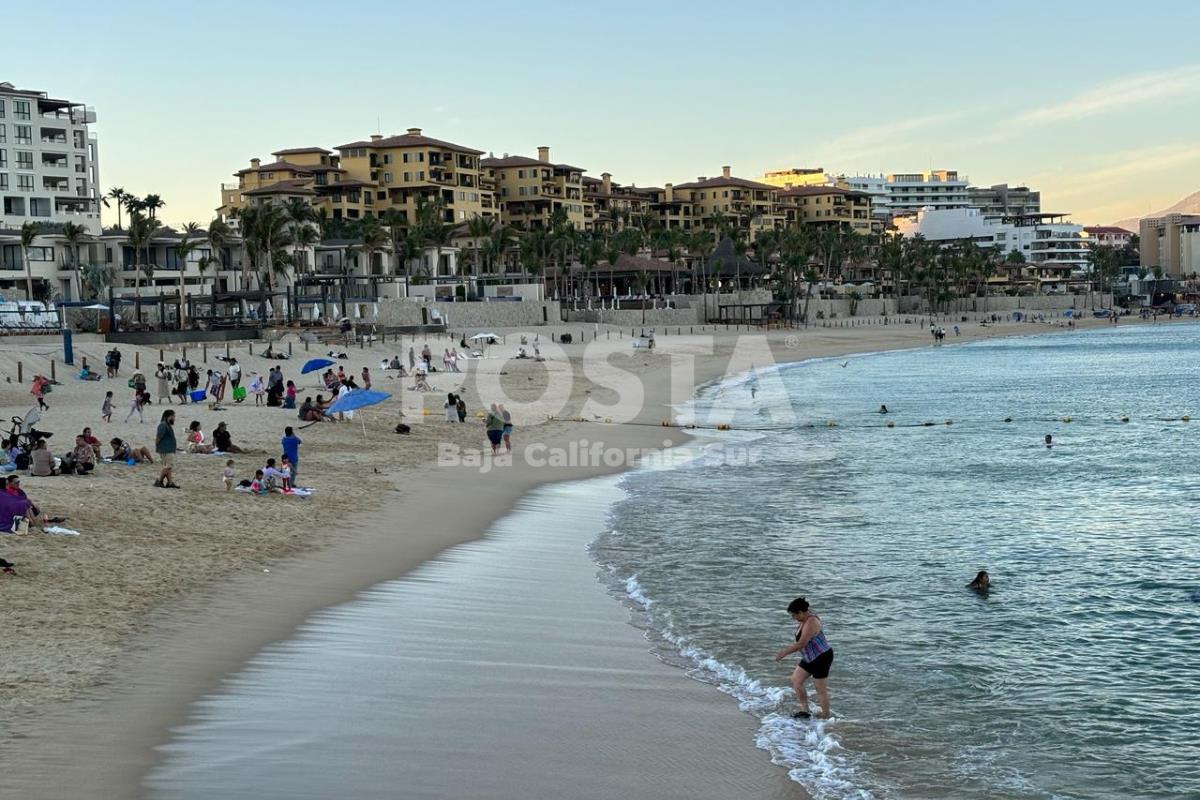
(401, 172)
(612, 205)
(1109, 235)
(828, 206)
(1170, 242)
(798, 176)
(309, 172)
(733, 197)
(49, 170)
(1002, 200)
(530, 190)
(912, 191)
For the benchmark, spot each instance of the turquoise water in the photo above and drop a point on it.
(1077, 676)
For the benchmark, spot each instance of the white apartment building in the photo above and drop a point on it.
(1055, 251)
(49, 170)
(898, 193)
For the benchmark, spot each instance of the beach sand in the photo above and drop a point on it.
(109, 636)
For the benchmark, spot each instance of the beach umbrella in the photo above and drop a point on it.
(356, 399)
(484, 336)
(314, 364)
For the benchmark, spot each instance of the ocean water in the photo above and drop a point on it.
(1076, 676)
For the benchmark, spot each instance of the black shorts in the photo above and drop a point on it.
(819, 666)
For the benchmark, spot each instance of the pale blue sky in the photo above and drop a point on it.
(1095, 103)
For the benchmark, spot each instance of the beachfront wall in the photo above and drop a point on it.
(459, 316)
(913, 304)
(688, 310)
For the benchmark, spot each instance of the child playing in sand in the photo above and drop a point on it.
(258, 486)
(257, 389)
(227, 474)
(106, 407)
(285, 474)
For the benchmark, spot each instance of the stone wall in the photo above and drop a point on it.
(461, 316)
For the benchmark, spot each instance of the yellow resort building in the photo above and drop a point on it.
(613, 206)
(312, 173)
(797, 176)
(828, 206)
(403, 171)
(755, 204)
(530, 190)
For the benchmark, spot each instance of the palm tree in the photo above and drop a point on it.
(248, 226)
(479, 229)
(397, 224)
(374, 237)
(152, 203)
(220, 234)
(184, 248)
(141, 231)
(117, 195)
(271, 232)
(74, 234)
(437, 236)
(499, 243)
(29, 232)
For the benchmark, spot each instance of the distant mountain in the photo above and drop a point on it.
(1188, 205)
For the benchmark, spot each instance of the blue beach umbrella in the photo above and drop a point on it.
(356, 399)
(314, 364)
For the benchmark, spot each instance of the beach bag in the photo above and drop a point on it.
(403, 429)
(239, 393)
(47, 388)
(22, 461)
(129, 383)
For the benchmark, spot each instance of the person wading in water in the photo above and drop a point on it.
(816, 657)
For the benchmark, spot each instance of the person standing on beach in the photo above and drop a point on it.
(160, 374)
(412, 360)
(494, 423)
(106, 407)
(291, 450)
(508, 428)
(165, 446)
(816, 657)
(235, 373)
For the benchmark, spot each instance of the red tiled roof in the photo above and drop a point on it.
(283, 187)
(1107, 229)
(276, 166)
(293, 150)
(523, 161)
(410, 140)
(708, 183)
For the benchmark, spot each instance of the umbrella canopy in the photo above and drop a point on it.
(356, 399)
(314, 364)
(484, 336)
(95, 307)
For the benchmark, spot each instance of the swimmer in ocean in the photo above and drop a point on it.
(883, 409)
(1049, 441)
(816, 657)
(981, 582)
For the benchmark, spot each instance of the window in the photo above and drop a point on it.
(14, 206)
(41, 253)
(387, 158)
(421, 176)
(25, 183)
(381, 195)
(504, 191)
(533, 190)
(21, 109)
(462, 196)
(80, 142)
(3, 132)
(24, 160)
(24, 134)
(404, 157)
(520, 190)
(3, 180)
(387, 177)
(408, 177)
(3, 158)
(421, 157)
(1, 109)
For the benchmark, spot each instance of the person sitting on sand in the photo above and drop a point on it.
(195, 439)
(85, 374)
(223, 441)
(981, 583)
(816, 657)
(123, 451)
(91, 440)
(257, 486)
(308, 412)
(84, 456)
(395, 363)
(41, 461)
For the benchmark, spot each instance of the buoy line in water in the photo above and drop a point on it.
(725, 426)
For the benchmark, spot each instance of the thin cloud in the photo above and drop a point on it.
(1115, 95)
(884, 137)
(1125, 166)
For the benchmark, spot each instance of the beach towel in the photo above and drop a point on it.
(56, 529)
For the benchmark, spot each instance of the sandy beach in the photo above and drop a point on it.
(111, 635)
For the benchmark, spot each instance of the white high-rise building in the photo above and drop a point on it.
(1054, 252)
(901, 192)
(49, 170)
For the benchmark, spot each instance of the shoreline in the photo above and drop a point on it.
(185, 649)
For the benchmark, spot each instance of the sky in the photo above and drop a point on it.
(1094, 103)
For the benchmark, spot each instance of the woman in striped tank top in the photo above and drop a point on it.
(816, 657)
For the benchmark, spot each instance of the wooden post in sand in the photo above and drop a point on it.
(160, 354)
(185, 354)
(20, 372)
(289, 349)
(250, 347)
(226, 351)
(205, 351)
(137, 359)
(53, 376)
(306, 345)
